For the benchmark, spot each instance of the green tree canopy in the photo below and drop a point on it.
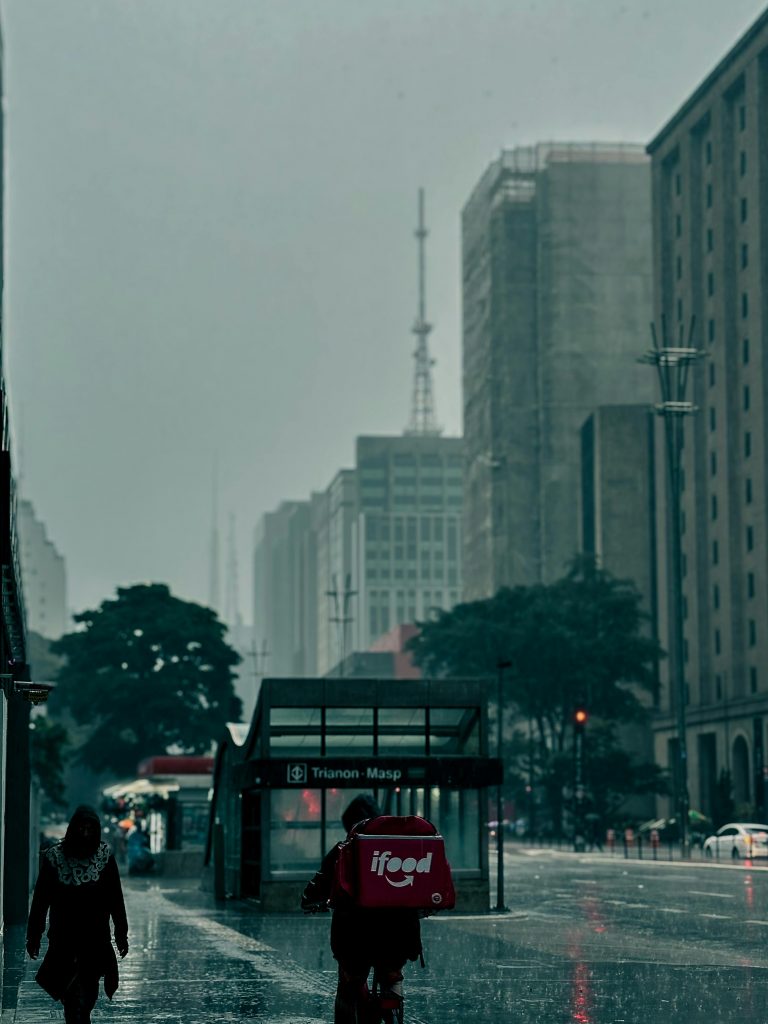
(150, 674)
(580, 639)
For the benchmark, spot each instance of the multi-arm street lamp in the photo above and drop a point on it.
(673, 364)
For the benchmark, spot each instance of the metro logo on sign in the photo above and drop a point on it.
(296, 773)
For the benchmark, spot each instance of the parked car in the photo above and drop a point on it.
(738, 840)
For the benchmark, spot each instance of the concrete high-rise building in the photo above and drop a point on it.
(44, 576)
(710, 258)
(557, 298)
(380, 547)
(407, 535)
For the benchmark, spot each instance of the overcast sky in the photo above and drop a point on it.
(209, 249)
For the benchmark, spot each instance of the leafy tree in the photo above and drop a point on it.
(49, 741)
(582, 639)
(149, 674)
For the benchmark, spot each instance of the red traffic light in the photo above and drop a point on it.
(580, 716)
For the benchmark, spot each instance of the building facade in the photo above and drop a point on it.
(45, 576)
(380, 547)
(557, 297)
(710, 259)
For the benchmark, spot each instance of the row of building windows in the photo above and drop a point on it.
(719, 689)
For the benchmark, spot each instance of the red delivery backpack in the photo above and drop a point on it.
(394, 862)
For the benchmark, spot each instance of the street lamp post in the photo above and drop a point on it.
(500, 905)
(673, 364)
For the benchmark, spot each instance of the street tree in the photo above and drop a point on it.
(582, 640)
(148, 674)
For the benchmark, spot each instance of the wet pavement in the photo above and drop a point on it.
(588, 939)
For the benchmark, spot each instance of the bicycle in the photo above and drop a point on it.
(380, 1004)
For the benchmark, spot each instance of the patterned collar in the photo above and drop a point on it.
(76, 871)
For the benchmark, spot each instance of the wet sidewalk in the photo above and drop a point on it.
(192, 960)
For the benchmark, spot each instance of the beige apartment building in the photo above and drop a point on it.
(710, 258)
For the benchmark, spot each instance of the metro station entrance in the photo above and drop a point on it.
(420, 747)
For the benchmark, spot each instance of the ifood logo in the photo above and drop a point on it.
(385, 862)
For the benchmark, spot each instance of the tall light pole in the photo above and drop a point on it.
(673, 363)
(500, 906)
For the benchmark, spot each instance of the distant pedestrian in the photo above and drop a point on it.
(78, 890)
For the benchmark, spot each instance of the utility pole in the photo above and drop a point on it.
(673, 364)
(342, 618)
(500, 905)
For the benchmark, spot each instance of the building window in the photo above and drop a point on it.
(742, 163)
(752, 679)
(712, 418)
(746, 397)
(745, 351)
(750, 538)
(709, 196)
(678, 226)
(679, 267)
(713, 506)
(744, 256)
(713, 463)
(715, 552)
(752, 633)
(718, 687)
(743, 209)
(711, 375)
(747, 444)
(710, 284)
(710, 240)
(748, 491)
(744, 305)
(711, 329)
(717, 641)
(742, 117)
(716, 596)
(750, 584)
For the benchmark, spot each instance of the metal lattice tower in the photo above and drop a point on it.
(423, 403)
(232, 605)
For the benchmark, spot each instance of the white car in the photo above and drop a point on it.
(738, 841)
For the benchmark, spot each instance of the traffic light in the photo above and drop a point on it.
(580, 717)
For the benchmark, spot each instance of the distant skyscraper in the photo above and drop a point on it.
(44, 577)
(557, 298)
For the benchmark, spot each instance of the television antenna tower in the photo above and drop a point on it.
(423, 404)
(341, 617)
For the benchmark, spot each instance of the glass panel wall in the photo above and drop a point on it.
(295, 732)
(295, 830)
(402, 732)
(456, 814)
(454, 731)
(348, 731)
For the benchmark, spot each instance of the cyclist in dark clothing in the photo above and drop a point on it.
(362, 939)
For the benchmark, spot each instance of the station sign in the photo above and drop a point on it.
(354, 772)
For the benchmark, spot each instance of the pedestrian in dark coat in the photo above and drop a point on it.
(362, 938)
(78, 889)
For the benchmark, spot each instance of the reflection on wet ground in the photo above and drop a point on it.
(587, 940)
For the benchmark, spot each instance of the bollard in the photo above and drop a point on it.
(610, 840)
(629, 839)
(655, 842)
(639, 846)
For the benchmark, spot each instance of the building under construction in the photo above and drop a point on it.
(557, 300)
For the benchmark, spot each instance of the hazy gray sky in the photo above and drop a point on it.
(210, 207)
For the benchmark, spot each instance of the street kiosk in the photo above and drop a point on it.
(419, 746)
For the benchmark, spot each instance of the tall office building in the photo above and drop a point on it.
(710, 257)
(557, 298)
(380, 547)
(407, 531)
(44, 576)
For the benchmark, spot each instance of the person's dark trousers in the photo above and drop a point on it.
(80, 998)
(352, 990)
